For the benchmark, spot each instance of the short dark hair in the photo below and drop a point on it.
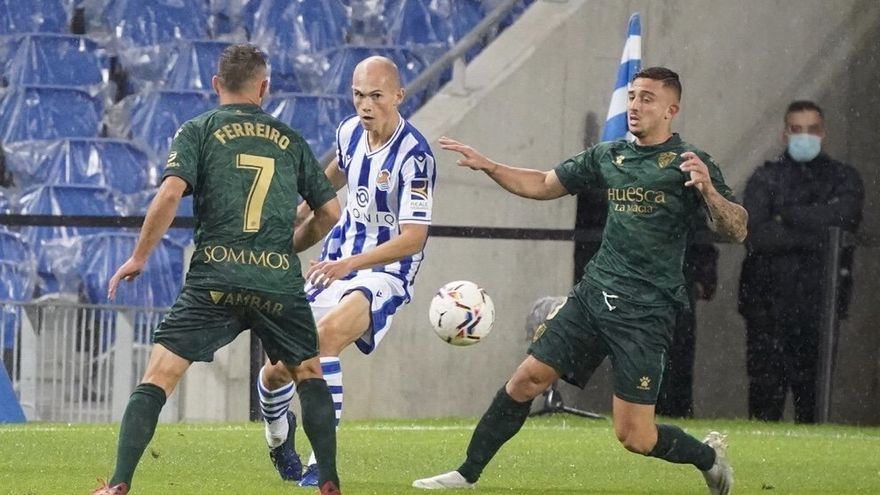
(803, 106)
(239, 64)
(662, 74)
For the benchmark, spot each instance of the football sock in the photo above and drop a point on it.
(332, 370)
(273, 406)
(674, 445)
(136, 430)
(319, 425)
(499, 424)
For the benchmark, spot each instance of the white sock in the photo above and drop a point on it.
(332, 370)
(273, 406)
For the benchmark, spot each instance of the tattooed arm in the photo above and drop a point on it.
(726, 218)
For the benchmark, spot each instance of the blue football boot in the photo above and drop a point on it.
(284, 456)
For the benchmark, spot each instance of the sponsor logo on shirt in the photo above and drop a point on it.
(265, 259)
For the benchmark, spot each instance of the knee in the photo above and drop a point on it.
(305, 371)
(635, 441)
(525, 386)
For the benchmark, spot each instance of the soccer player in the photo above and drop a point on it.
(245, 170)
(370, 259)
(625, 305)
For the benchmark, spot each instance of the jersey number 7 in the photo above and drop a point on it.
(265, 168)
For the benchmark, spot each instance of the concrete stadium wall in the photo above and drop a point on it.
(530, 98)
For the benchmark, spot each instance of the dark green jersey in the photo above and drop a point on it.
(650, 212)
(245, 170)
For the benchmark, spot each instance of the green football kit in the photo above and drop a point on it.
(627, 301)
(245, 170)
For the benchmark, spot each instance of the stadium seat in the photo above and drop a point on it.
(156, 287)
(54, 245)
(414, 22)
(113, 163)
(154, 22)
(17, 278)
(5, 205)
(337, 78)
(53, 59)
(33, 16)
(178, 65)
(314, 117)
(293, 34)
(48, 112)
(152, 118)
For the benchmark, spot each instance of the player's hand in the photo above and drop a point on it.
(128, 272)
(472, 159)
(324, 273)
(697, 171)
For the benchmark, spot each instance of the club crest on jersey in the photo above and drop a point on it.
(666, 158)
(383, 180)
(618, 160)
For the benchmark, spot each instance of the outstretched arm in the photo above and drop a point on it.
(525, 182)
(316, 225)
(159, 217)
(726, 218)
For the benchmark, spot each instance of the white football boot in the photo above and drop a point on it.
(719, 478)
(447, 481)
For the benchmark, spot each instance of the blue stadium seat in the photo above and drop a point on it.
(154, 117)
(415, 22)
(17, 278)
(32, 16)
(157, 286)
(53, 59)
(113, 163)
(154, 22)
(314, 117)
(337, 78)
(5, 204)
(53, 245)
(177, 65)
(48, 112)
(292, 33)
(196, 65)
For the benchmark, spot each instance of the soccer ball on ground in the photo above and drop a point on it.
(462, 313)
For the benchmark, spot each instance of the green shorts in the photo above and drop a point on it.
(589, 326)
(204, 320)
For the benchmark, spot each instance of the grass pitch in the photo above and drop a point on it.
(555, 455)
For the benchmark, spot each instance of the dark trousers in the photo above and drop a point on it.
(676, 389)
(782, 355)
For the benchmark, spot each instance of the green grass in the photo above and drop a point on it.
(556, 455)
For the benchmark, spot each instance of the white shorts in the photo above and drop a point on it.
(386, 293)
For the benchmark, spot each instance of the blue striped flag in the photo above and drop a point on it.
(630, 63)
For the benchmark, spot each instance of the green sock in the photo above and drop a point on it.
(674, 445)
(499, 424)
(136, 431)
(319, 423)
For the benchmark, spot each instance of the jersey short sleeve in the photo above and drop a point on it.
(580, 172)
(717, 177)
(417, 188)
(314, 187)
(183, 156)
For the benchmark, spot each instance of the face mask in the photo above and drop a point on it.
(804, 147)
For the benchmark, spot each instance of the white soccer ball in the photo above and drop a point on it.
(462, 313)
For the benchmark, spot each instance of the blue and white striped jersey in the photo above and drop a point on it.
(387, 187)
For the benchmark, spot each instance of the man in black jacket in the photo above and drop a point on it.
(792, 201)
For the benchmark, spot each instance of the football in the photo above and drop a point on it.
(462, 313)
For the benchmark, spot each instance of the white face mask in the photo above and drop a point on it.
(804, 147)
